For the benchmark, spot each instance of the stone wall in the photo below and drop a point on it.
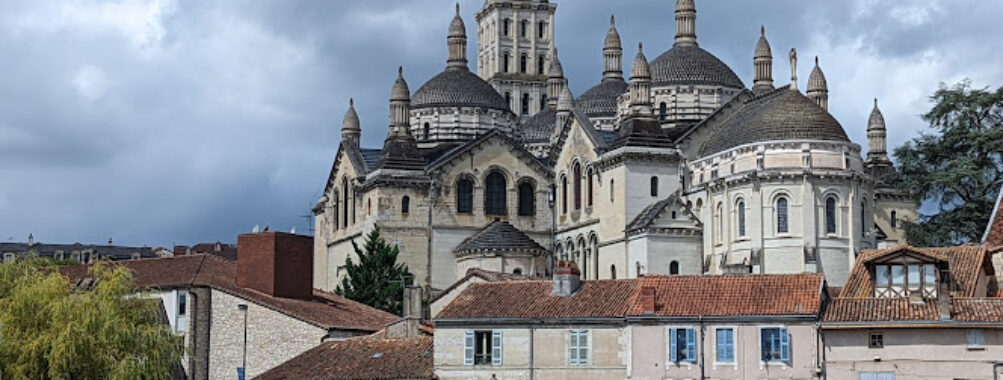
(272, 337)
(932, 353)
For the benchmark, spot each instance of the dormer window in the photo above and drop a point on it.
(904, 280)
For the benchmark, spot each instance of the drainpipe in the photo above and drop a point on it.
(553, 229)
(531, 353)
(433, 195)
(821, 350)
(996, 370)
(702, 332)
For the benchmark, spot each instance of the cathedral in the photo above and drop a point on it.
(675, 168)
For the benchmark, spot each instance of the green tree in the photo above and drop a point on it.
(50, 329)
(958, 168)
(377, 280)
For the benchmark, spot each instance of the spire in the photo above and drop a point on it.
(400, 151)
(566, 101)
(400, 104)
(457, 42)
(763, 63)
(686, 23)
(555, 80)
(794, 69)
(351, 129)
(612, 52)
(640, 84)
(818, 89)
(877, 152)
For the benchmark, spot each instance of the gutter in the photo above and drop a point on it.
(702, 359)
(528, 321)
(996, 370)
(916, 324)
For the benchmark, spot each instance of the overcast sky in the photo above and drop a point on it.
(156, 122)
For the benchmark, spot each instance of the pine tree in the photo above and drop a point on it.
(377, 280)
(51, 330)
(959, 169)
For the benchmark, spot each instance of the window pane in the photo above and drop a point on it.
(881, 275)
(914, 277)
(929, 274)
(898, 275)
(782, 215)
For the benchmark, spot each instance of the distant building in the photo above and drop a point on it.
(224, 250)
(208, 300)
(77, 252)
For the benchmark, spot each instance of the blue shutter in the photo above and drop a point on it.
(725, 345)
(672, 346)
(468, 348)
(496, 347)
(691, 345)
(785, 345)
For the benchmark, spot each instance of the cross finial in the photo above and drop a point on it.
(457, 8)
(612, 20)
(351, 102)
(762, 30)
(640, 47)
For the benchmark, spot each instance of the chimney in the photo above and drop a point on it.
(276, 263)
(412, 309)
(31, 240)
(180, 250)
(567, 279)
(648, 300)
(944, 301)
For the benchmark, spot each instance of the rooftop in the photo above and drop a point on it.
(360, 358)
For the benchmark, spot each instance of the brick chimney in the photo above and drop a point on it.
(567, 279)
(648, 300)
(276, 263)
(944, 301)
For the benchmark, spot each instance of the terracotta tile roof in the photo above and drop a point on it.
(796, 294)
(360, 358)
(777, 294)
(900, 310)
(993, 236)
(486, 275)
(964, 263)
(324, 310)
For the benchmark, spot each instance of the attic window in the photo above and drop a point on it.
(904, 280)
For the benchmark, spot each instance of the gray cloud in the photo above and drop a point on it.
(161, 121)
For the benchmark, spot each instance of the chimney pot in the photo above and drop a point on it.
(648, 300)
(567, 279)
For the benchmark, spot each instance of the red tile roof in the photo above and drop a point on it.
(486, 275)
(360, 358)
(964, 262)
(794, 294)
(324, 310)
(993, 236)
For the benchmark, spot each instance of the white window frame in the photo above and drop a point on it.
(734, 346)
(975, 339)
(574, 343)
(470, 347)
(759, 347)
(669, 333)
(181, 326)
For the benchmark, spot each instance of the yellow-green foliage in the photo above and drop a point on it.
(51, 330)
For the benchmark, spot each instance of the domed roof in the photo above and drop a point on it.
(816, 81)
(600, 101)
(877, 120)
(640, 68)
(691, 65)
(612, 36)
(539, 127)
(351, 121)
(763, 46)
(400, 90)
(457, 87)
(783, 114)
(456, 27)
(499, 237)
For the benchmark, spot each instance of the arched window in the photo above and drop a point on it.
(508, 99)
(539, 64)
(506, 25)
(674, 267)
(611, 190)
(588, 188)
(830, 215)
(369, 207)
(465, 196)
(426, 130)
(505, 61)
(522, 28)
(494, 198)
(719, 223)
(344, 201)
(863, 217)
(741, 218)
(527, 201)
(405, 205)
(541, 29)
(654, 186)
(612, 271)
(543, 102)
(577, 172)
(564, 194)
(517, 271)
(895, 219)
(525, 104)
(522, 63)
(782, 226)
(662, 111)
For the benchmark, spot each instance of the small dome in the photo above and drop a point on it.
(612, 37)
(877, 120)
(763, 46)
(779, 115)
(566, 102)
(816, 81)
(400, 90)
(351, 121)
(458, 88)
(640, 69)
(691, 65)
(499, 237)
(456, 27)
(601, 100)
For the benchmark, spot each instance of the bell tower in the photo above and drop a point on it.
(515, 41)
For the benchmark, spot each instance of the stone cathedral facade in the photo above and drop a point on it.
(676, 167)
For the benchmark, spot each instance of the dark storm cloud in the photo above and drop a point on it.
(159, 121)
